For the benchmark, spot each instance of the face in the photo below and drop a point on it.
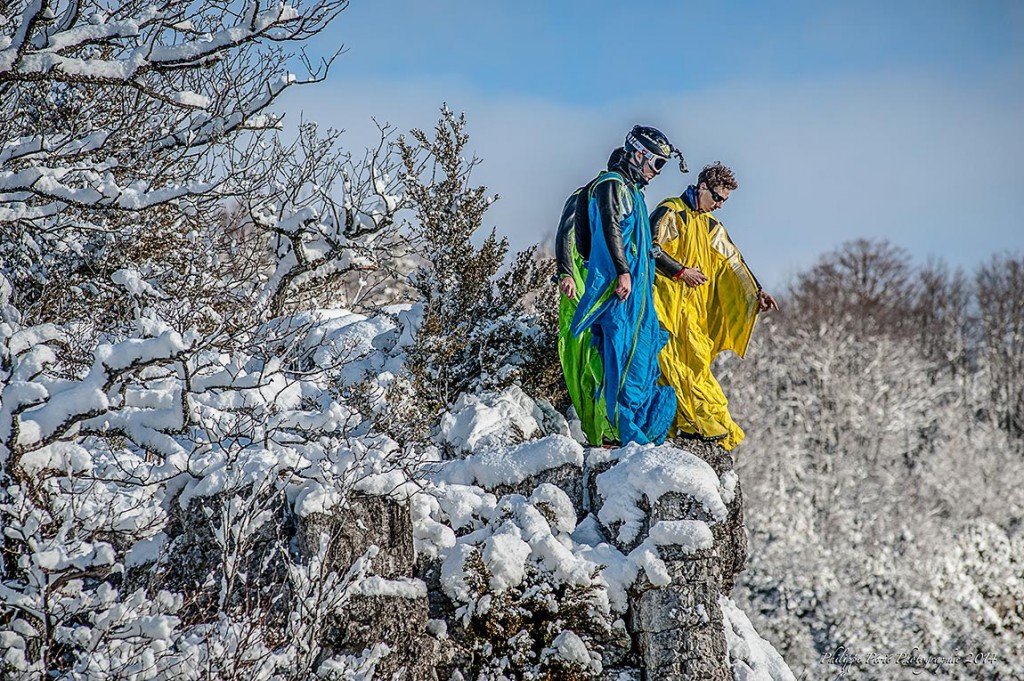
(647, 169)
(711, 198)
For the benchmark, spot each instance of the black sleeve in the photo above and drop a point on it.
(609, 206)
(582, 220)
(665, 263)
(565, 235)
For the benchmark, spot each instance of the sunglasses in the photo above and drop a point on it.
(716, 196)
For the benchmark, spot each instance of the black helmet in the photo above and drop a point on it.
(653, 141)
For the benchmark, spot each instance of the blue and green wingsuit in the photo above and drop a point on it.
(614, 377)
(581, 363)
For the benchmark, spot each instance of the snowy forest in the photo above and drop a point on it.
(883, 467)
(220, 339)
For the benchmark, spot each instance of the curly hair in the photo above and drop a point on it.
(718, 175)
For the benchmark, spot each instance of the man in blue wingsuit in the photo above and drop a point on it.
(617, 304)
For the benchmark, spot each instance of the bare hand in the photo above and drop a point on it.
(692, 276)
(766, 302)
(567, 285)
(624, 287)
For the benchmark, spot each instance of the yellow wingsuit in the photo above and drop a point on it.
(702, 321)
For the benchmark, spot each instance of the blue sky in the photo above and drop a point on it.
(902, 120)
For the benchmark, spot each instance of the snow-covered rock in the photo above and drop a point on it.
(498, 419)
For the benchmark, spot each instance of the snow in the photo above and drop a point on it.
(753, 658)
(589, 532)
(351, 341)
(576, 426)
(133, 282)
(688, 535)
(645, 471)
(493, 420)
(513, 532)
(438, 629)
(730, 480)
(116, 424)
(556, 506)
(133, 351)
(571, 648)
(646, 557)
(24, 339)
(504, 466)
(53, 555)
(192, 99)
(621, 571)
(453, 574)
(146, 550)
(316, 497)
(295, 221)
(91, 33)
(403, 587)
(355, 668)
(430, 536)
(463, 503)
(507, 538)
(67, 457)
(60, 412)
(217, 472)
(504, 556)
(409, 319)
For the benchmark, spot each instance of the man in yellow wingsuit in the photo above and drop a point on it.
(706, 298)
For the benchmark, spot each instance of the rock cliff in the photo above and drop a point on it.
(518, 560)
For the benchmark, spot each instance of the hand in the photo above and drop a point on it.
(692, 276)
(567, 285)
(766, 302)
(624, 287)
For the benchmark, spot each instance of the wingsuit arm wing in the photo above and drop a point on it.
(665, 263)
(609, 206)
(744, 261)
(564, 236)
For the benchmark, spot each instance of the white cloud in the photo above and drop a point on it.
(931, 164)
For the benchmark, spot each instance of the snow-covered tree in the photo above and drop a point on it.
(118, 122)
(141, 166)
(863, 283)
(1000, 295)
(329, 218)
(475, 332)
(99, 470)
(154, 228)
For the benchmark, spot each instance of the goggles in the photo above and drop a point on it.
(657, 162)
